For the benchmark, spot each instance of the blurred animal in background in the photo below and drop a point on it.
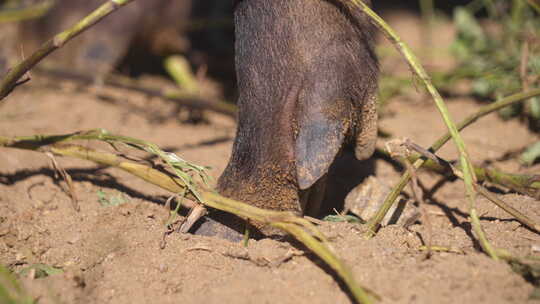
(155, 25)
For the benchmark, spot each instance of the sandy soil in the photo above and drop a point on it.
(111, 254)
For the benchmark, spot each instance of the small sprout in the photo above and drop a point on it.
(112, 200)
(531, 154)
(40, 271)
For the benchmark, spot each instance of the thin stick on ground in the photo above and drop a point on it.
(483, 111)
(415, 65)
(417, 194)
(302, 229)
(194, 215)
(522, 218)
(521, 183)
(401, 150)
(484, 192)
(10, 81)
(441, 249)
(69, 181)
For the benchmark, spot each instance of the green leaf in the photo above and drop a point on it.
(509, 112)
(535, 107)
(470, 34)
(482, 87)
(42, 270)
(531, 154)
(112, 200)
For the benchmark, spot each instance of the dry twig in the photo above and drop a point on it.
(482, 174)
(469, 177)
(300, 228)
(69, 181)
(403, 155)
(522, 218)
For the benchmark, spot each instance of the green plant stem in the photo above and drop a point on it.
(534, 5)
(392, 196)
(441, 249)
(10, 81)
(24, 13)
(492, 107)
(428, 11)
(415, 65)
(302, 229)
(522, 183)
(517, 181)
(525, 220)
(428, 17)
(330, 258)
(180, 71)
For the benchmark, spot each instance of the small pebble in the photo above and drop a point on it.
(20, 257)
(74, 239)
(110, 256)
(163, 268)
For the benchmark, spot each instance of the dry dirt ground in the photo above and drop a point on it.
(112, 254)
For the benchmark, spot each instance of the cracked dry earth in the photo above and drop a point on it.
(110, 253)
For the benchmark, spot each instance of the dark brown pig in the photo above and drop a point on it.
(98, 50)
(307, 77)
